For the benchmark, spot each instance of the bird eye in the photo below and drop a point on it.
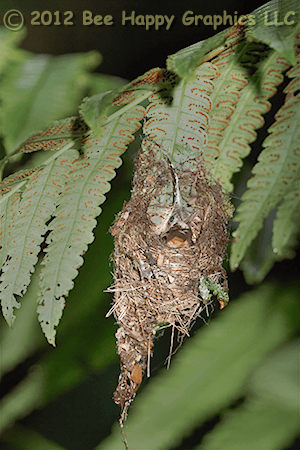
(171, 219)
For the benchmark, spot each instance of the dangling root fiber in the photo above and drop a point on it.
(170, 240)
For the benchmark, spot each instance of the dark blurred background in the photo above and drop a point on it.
(128, 51)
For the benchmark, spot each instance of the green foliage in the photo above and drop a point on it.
(211, 100)
(27, 439)
(21, 341)
(74, 217)
(285, 235)
(8, 48)
(104, 107)
(210, 372)
(212, 108)
(186, 60)
(275, 174)
(267, 20)
(268, 418)
(180, 118)
(239, 97)
(33, 83)
(22, 399)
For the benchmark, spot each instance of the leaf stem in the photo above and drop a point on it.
(10, 193)
(58, 153)
(127, 107)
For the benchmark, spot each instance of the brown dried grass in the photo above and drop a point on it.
(172, 232)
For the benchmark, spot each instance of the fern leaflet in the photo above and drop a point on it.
(8, 213)
(35, 78)
(275, 174)
(181, 120)
(185, 61)
(14, 182)
(280, 38)
(74, 218)
(55, 137)
(107, 106)
(286, 224)
(26, 233)
(240, 103)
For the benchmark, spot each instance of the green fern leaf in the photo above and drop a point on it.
(58, 82)
(14, 180)
(271, 407)
(99, 82)
(8, 50)
(71, 228)
(211, 371)
(259, 257)
(239, 105)
(184, 62)
(26, 232)
(270, 26)
(286, 224)
(274, 175)
(94, 110)
(294, 72)
(181, 120)
(8, 212)
(106, 106)
(55, 137)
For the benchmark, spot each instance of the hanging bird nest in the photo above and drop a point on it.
(170, 239)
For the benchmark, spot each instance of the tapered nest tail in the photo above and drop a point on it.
(169, 244)
(121, 423)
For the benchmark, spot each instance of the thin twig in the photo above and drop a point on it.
(121, 422)
(149, 356)
(171, 347)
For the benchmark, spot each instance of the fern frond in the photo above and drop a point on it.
(8, 50)
(152, 81)
(26, 231)
(286, 224)
(107, 106)
(74, 218)
(265, 29)
(259, 257)
(271, 406)
(33, 83)
(99, 82)
(8, 212)
(55, 137)
(277, 170)
(185, 61)
(14, 180)
(239, 104)
(294, 73)
(181, 120)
